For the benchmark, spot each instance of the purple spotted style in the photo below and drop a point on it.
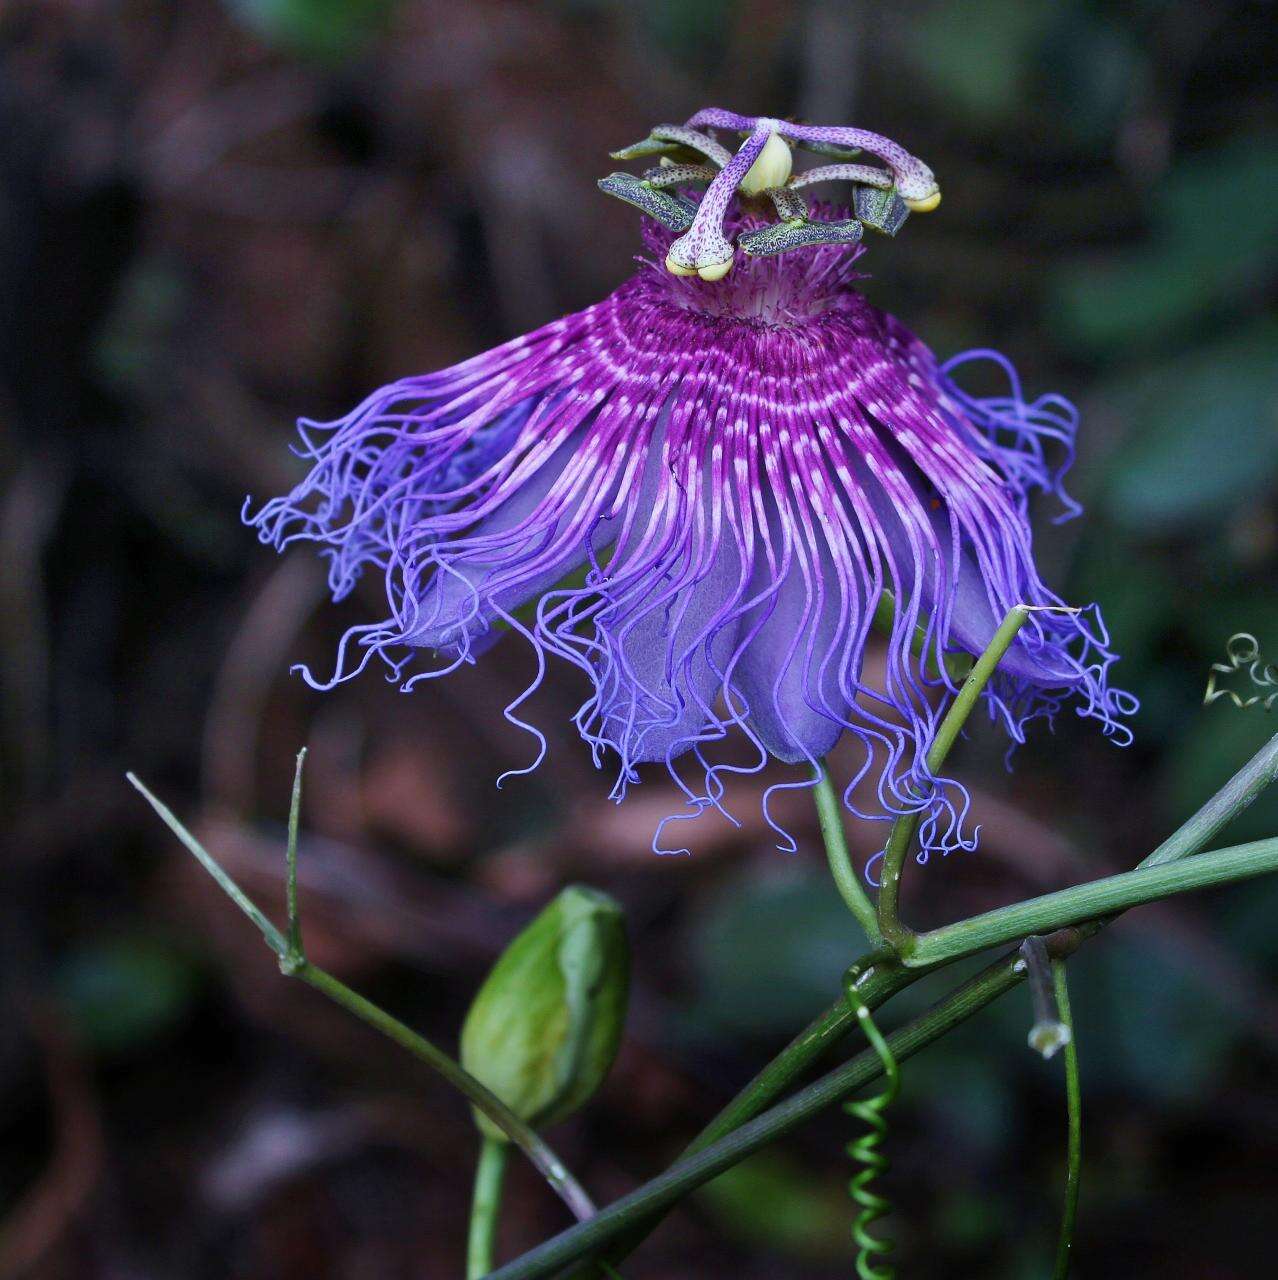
(699, 493)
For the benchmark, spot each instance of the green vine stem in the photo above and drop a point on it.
(902, 834)
(1089, 901)
(485, 1207)
(1074, 1107)
(293, 963)
(741, 1128)
(721, 1144)
(692, 1171)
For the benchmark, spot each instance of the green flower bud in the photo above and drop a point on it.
(545, 1027)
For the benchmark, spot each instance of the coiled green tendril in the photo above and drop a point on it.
(1243, 651)
(866, 1149)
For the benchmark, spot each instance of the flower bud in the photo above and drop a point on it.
(545, 1027)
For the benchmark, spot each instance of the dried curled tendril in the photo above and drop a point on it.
(1243, 653)
(866, 1150)
(691, 156)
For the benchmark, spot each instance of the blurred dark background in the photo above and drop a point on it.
(217, 216)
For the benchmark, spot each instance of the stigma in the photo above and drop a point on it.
(771, 169)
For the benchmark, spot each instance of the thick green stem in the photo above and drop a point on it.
(846, 877)
(665, 1190)
(1235, 796)
(1074, 1107)
(902, 834)
(829, 1027)
(883, 977)
(485, 1208)
(1092, 901)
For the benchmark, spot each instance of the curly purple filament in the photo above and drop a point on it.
(734, 472)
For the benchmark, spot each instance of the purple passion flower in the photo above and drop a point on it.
(706, 490)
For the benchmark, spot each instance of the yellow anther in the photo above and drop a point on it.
(678, 268)
(770, 169)
(926, 205)
(716, 271)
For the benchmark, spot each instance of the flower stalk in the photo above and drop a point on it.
(846, 877)
(485, 1207)
(893, 929)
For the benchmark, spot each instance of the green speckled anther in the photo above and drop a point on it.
(672, 212)
(884, 211)
(781, 237)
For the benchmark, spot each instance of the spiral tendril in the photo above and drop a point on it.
(866, 1151)
(1243, 651)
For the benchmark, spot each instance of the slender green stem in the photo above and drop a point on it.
(691, 1172)
(1074, 1105)
(482, 1098)
(903, 829)
(485, 1208)
(1090, 901)
(295, 948)
(274, 938)
(846, 877)
(294, 964)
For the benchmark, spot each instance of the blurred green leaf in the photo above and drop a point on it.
(1204, 436)
(1218, 200)
(968, 1221)
(1148, 1020)
(693, 32)
(329, 30)
(772, 1202)
(770, 953)
(978, 57)
(1250, 915)
(1137, 591)
(1086, 66)
(123, 992)
(968, 1084)
(130, 346)
(1225, 198)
